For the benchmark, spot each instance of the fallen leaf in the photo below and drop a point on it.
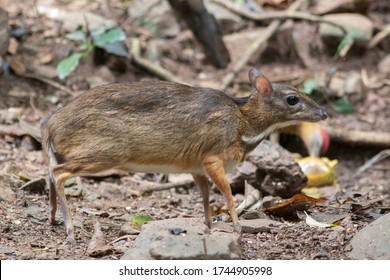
(288, 209)
(17, 66)
(139, 221)
(313, 223)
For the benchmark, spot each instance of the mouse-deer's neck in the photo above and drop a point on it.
(255, 114)
(260, 119)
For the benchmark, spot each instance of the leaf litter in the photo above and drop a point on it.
(357, 199)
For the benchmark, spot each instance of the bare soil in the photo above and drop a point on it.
(25, 232)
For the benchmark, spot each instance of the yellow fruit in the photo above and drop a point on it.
(319, 171)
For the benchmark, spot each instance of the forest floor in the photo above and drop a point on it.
(26, 101)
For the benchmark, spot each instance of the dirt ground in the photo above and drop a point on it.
(25, 232)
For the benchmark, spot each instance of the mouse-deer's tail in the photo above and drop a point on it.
(49, 154)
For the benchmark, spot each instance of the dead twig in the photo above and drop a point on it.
(128, 238)
(371, 138)
(149, 66)
(282, 15)
(255, 47)
(50, 82)
(370, 84)
(13, 130)
(381, 156)
(152, 187)
(379, 37)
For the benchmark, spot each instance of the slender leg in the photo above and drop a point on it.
(203, 184)
(215, 169)
(52, 202)
(64, 205)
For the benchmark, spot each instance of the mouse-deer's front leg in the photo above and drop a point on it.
(214, 167)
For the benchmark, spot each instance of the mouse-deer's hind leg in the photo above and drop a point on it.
(60, 176)
(203, 184)
(52, 201)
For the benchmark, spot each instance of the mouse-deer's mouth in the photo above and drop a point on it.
(323, 114)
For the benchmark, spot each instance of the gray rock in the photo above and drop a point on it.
(157, 242)
(258, 225)
(373, 241)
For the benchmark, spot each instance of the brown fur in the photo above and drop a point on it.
(196, 130)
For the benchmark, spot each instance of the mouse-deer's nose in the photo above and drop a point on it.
(323, 114)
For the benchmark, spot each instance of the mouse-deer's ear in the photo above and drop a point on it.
(260, 83)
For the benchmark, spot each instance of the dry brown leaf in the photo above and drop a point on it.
(288, 209)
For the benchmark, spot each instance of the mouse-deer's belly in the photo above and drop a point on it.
(161, 168)
(132, 167)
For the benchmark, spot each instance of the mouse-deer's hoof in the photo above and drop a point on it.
(70, 238)
(237, 227)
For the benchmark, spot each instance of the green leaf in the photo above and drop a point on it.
(239, 3)
(78, 35)
(99, 31)
(67, 65)
(345, 44)
(112, 36)
(117, 48)
(83, 46)
(309, 86)
(343, 106)
(138, 221)
(24, 178)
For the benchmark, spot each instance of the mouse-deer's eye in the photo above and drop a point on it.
(292, 100)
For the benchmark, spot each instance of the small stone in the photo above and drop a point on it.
(177, 231)
(6, 194)
(128, 229)
(13, 46)
(353, 83)
(6, 250)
